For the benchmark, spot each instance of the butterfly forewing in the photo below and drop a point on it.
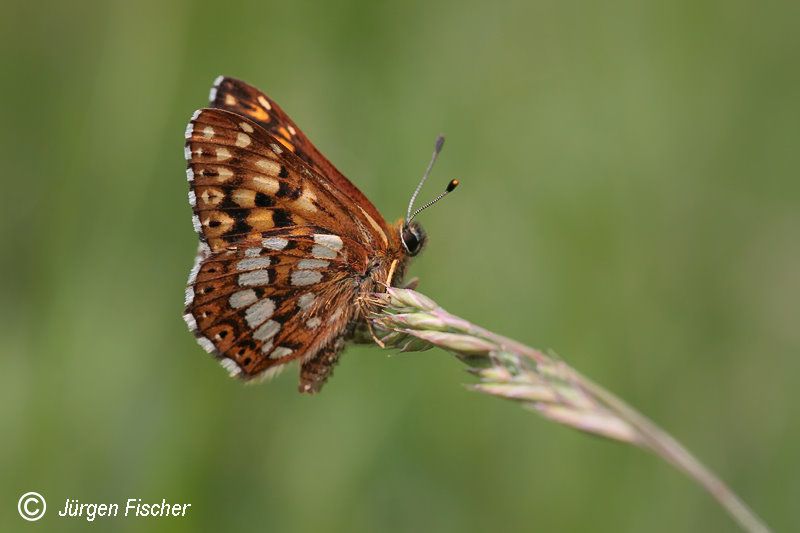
(243, 99)
(243, 184)
(237, 96)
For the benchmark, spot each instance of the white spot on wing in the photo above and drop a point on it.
(196, 223)
(313, 323)
(253, 263)
(187, 153)
(254, 278)
(206, 344)
(189, 174)
(242, 298)
(265, 184)
(202, 252)
(212, 94)
(246, 127)
(327, 246)
(189, 129)
(305, 277)
(305, 301)
(306, 202)
(223, 154)
(270, 167)
(242, 140)
(292, 130)
(257, 313)
(275, 148)
(312, 263)
(208, 132)
(275, 243)
(331, 241)
(264, 102)
(190, 321)
(252, 252)
(323, 251)
(188, 297)
(280, 351)
(231, 366)
(223, 173)
(192, 199)
(266, 331)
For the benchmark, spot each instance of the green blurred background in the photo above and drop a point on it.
(629, 199)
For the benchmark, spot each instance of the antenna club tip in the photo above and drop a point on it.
(452, 185)
(439, 143)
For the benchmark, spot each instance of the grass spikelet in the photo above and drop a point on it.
(409, 321)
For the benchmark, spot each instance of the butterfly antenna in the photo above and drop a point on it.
(436, 150)
(450, 187)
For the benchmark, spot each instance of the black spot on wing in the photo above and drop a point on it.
(240, 225)
(282, 218)
(264, 200)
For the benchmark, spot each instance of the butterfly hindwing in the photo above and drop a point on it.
(259, 307)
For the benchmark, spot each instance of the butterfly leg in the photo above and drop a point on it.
(316, 371)
(363, 333)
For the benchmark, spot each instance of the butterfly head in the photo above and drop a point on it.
(412, 236)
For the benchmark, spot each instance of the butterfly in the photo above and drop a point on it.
(289, 247)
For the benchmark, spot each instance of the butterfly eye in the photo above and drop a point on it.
(413, 238)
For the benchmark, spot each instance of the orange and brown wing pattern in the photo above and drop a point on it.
(241, 98)
(281, 299)
(281, 252)
(287, 246)
(244, 184)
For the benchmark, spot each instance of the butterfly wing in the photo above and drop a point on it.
(260, 307)
(243, 183)
(281, 249)
(239, 97)
(243, 99)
